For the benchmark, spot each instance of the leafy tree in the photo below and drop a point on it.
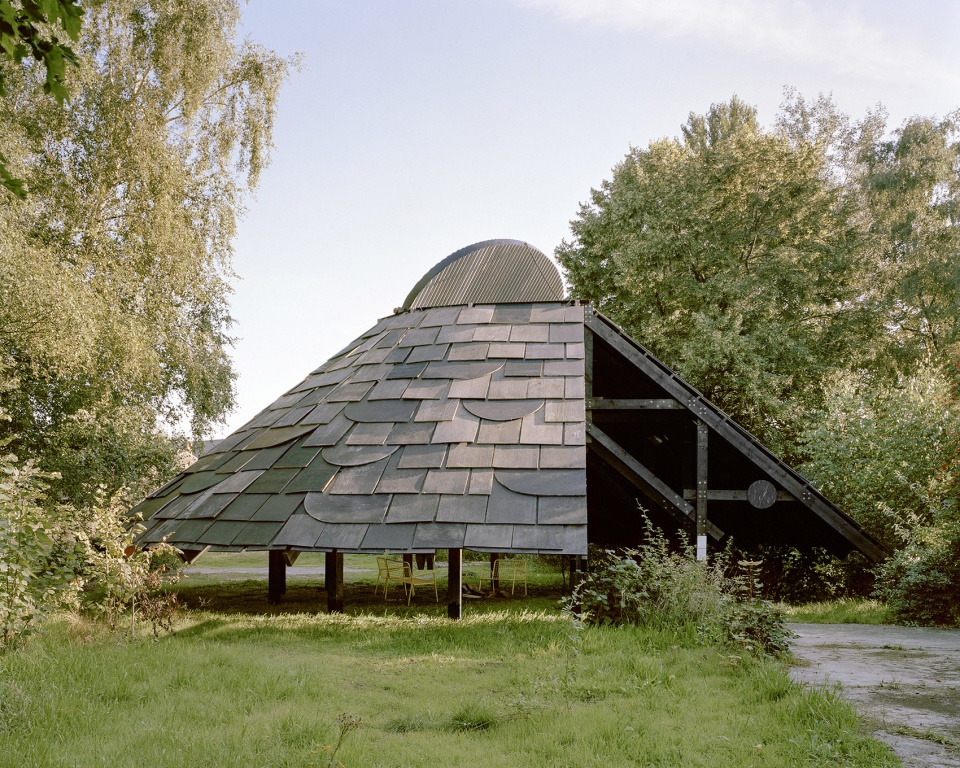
(910, 182)
(890, 456)
(25, 30)
(761, 263)
(114, 273)
(730, 254)
(887, 454)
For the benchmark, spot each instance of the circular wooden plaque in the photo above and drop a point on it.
(761, 494)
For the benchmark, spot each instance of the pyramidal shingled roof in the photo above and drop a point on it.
(472, 418)
(440, 427)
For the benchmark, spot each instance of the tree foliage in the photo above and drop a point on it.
(762, 263)
(910, 187)
(114, 273)
(732, 258)
(27, 30)
(59, 557)
(32, 584)
(888, 454)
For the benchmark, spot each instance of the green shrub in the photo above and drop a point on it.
(656, 586)
(793, 576)
(921, 582)
(118, 576)
(757, 626)
(649, 585)
(33, 584)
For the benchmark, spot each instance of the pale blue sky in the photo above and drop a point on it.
(421, 126)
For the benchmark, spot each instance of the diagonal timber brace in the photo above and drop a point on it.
(641, 477)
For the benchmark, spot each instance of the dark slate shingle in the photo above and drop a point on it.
(346, 509)
(422, 456)
(358, 479)
(413, 508)
(313, 477)
(299, 531)
(462, 509)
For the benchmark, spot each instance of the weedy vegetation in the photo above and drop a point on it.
(516, 681)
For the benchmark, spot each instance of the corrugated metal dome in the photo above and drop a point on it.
(490, 272)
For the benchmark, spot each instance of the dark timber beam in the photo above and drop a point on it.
(703, 436)
(276, 576)
(333, 563)
(455, 584)
(655, 404)
(733, 433)
(641, 477)
(189, 556)
(690, 494)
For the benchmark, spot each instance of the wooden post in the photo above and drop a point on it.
(333, 577)
(276, 576)
(703, 433)
(494, 576)
(455, 583)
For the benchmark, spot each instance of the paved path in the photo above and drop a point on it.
(905, 680)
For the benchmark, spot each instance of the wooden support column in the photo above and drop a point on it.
(276, 576)
(703, 434)
(333, 577)
(494, 577)
(454, 583)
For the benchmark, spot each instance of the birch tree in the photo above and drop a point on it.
(115, 272)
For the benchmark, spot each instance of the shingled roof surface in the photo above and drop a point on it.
(446, 427)
(465, 419)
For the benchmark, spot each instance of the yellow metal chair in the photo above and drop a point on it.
(512, 569)
(393, 570)
(504, 569)
(383, 571)
(412, 580)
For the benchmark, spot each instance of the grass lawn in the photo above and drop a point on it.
(514, 683)
(843, 611)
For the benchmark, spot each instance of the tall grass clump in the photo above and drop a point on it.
(661, 587)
